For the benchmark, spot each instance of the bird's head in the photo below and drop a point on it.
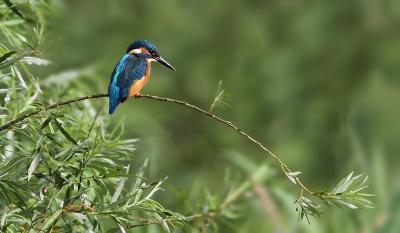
(145, 49)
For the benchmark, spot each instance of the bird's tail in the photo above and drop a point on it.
(114, 99)
(112, 109)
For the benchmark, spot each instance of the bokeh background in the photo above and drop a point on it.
(317, 82)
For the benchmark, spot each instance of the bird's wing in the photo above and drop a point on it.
(126, 72)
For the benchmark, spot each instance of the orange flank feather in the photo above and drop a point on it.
(139, 84)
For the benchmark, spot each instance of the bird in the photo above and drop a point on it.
(132, 72)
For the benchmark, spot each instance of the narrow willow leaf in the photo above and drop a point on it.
(35, 61)
(118, 191)
(353, 183)
(34, 164)
(5, 56)
(121, 228)
(341, 201)
(13, 22)
(176, 215)
(100, 188)
(64, 132)
(115, 206)
(15, 144)
(323, 191)
(14, 162)
(71, 226)
(50, 220)
(3, 218)
(39, 142)
(46, 122)
(155, 189)
(337, 189)
(360, 187)
(365, 202)
(137, 197)
(6, 194)
(161, 221)
(20, 78)
(8, 90)
(140, 174)
(9, 62)
(5, 75)
(307, 207)
(332, 202)
(348, 191)
(292, 175)
(13, 8)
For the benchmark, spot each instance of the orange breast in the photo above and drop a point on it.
(138, 84)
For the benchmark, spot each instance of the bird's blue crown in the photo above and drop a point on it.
(142, 43)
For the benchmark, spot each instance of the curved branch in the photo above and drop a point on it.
(228, 123)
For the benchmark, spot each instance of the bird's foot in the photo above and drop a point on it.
(137, 95)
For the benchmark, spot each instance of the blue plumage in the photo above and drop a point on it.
(141, 43)
(132, 71)
(129, 69)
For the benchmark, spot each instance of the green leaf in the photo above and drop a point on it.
(13, 8)
(2, 91)
(322, 192)
(348, 192)
(39, 141)
(6, 167)
(34, 164)
(9, 62)
(118, 191)
(163, 223)
(140, 174)
(13, 22)
(35, 61)
(292, 176)
(176, 215)
(21, 80)
(69, 223)
(64, 132)
(219, 98)
(46, 122)
(3, 217)
(307, 207)
(50, 220)
(5, 56)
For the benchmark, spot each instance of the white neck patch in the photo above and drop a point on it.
(135, 51)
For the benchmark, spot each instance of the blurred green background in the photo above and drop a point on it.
(317, 82)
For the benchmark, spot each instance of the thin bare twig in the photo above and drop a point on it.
(228, 123)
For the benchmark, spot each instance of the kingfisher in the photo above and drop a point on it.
(132, 72)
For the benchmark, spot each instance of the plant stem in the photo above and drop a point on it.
(285, 168)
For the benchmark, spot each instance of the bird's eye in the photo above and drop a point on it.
(154, 54)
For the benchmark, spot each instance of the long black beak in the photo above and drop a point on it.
(164, 62)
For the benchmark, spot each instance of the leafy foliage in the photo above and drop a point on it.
(62, 169)
(307, 207)
(347, 192)
(220, 98)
